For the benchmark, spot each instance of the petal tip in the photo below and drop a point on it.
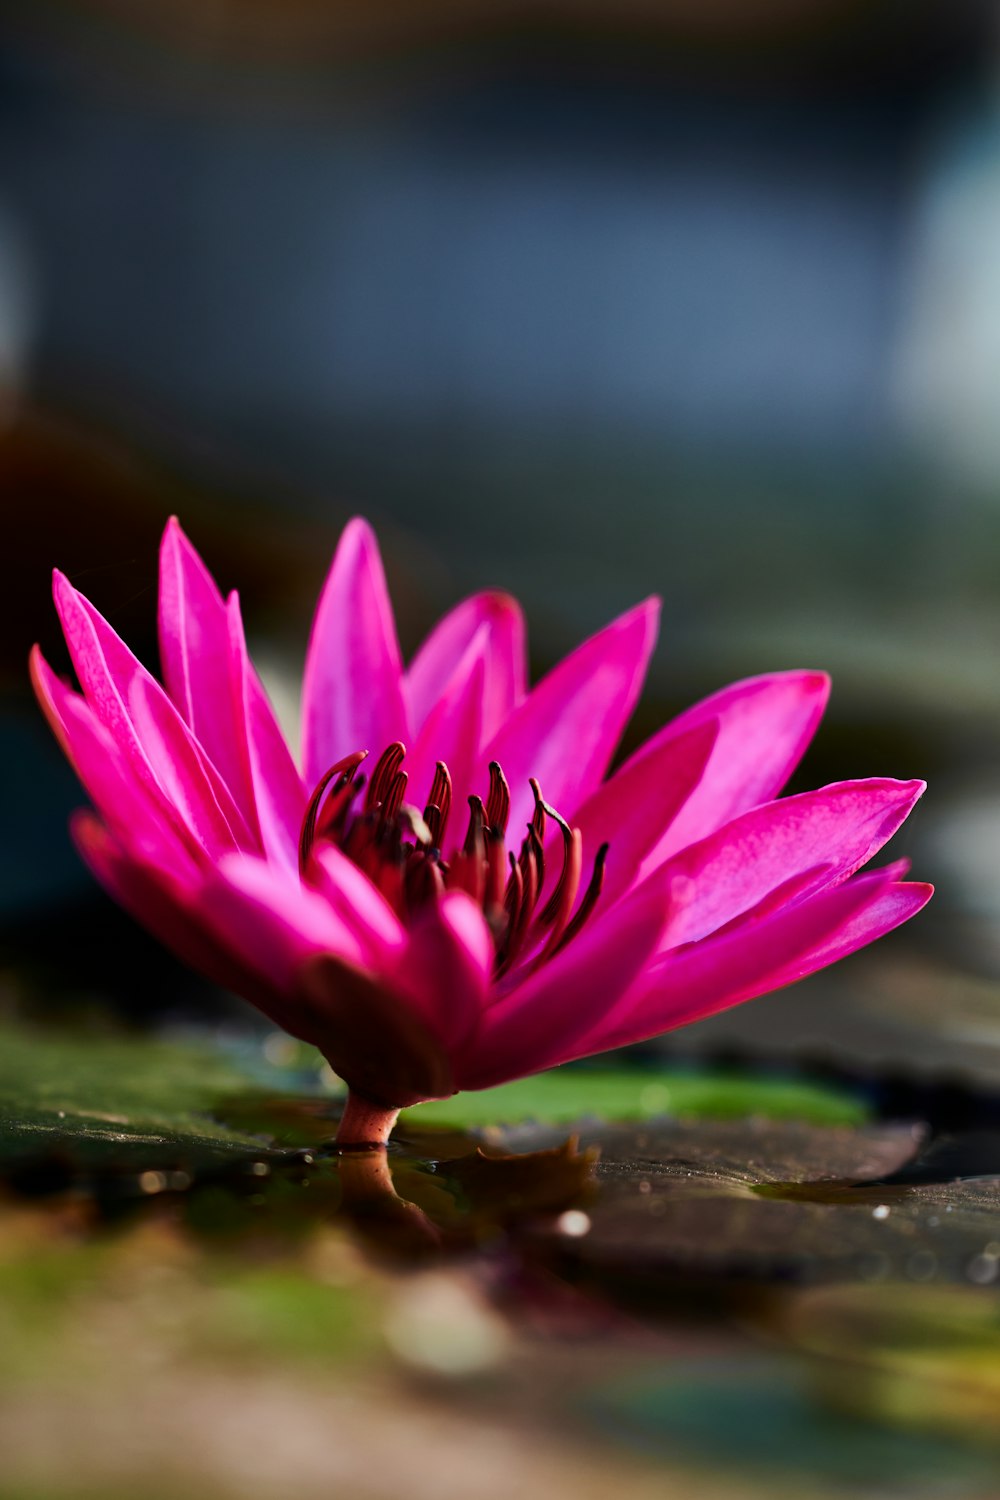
(358, 532)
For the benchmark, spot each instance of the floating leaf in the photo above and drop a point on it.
(566, 1095)
(104, 1100)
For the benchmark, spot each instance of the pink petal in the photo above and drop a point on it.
(567, 729)
(435, 664)
(752, 959)
(525, 1030)
(141, 817)
(164, 909)
(444, 974)
(452, 732)
(352, 692)
(195, 649)
(631, 811)
(824, 835)
(765, 724)
(146, 725)
(271, 922)
(279, 798)
(359, 905)
(188, 779)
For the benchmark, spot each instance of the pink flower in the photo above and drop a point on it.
(490, 905)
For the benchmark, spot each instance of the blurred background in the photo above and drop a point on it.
(585, 301)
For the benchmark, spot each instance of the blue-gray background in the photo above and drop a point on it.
(695, 299)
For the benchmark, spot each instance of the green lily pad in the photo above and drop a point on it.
(565, 1095)
(126, 1100)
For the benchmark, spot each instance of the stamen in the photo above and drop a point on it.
(590, 898)
(564, 896)
(514, 893)
(493, 900)
(333, 814)
(388, 764)
(552, 906)
(438, 804)
(534, 843)
(498, 801)
(541, 808)
(467, 871)
(424, 881)
(393, 800)
(512, 898)
(400, 852)
(527, 869)
(412, 823)
(345, 769)
(474, 841)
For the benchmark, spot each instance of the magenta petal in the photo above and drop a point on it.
(104, 683)
(195, 649)
(146, 725)
(831, 832)
(352, 692)
(567, 729)
(140, 815)
(275, 924)
(505, 653)
(765, 724)
(445, 971)
(630, 811)
(752, 959)
(359, 905)
(278, 794)
(527, 1029)
(188, 779)
(164, 909)
(452, 733)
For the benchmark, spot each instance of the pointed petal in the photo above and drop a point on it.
(359, 905)
(527, 1029)
(140, 816)
(146, 725)
(567, 729)
(279, 798)
(272, 922)
(452, 732)
(754, 958)
(765, 724)
(445, 972)
(163, 908)
(186, 776)
(352, 692)
(195, 650)
(630, 811)
(435, 664)
(824, 835)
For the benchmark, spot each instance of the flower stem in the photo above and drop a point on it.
(365, 1125)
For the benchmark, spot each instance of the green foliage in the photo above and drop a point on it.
(566, 1095)
(129, 1097)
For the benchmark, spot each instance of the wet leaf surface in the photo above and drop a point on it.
(180, 1210)
(771, 1202)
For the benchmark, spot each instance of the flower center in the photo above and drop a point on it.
(400, 850)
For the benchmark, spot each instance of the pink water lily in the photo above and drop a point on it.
(487, 901)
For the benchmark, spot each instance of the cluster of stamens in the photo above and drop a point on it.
(400, 850)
